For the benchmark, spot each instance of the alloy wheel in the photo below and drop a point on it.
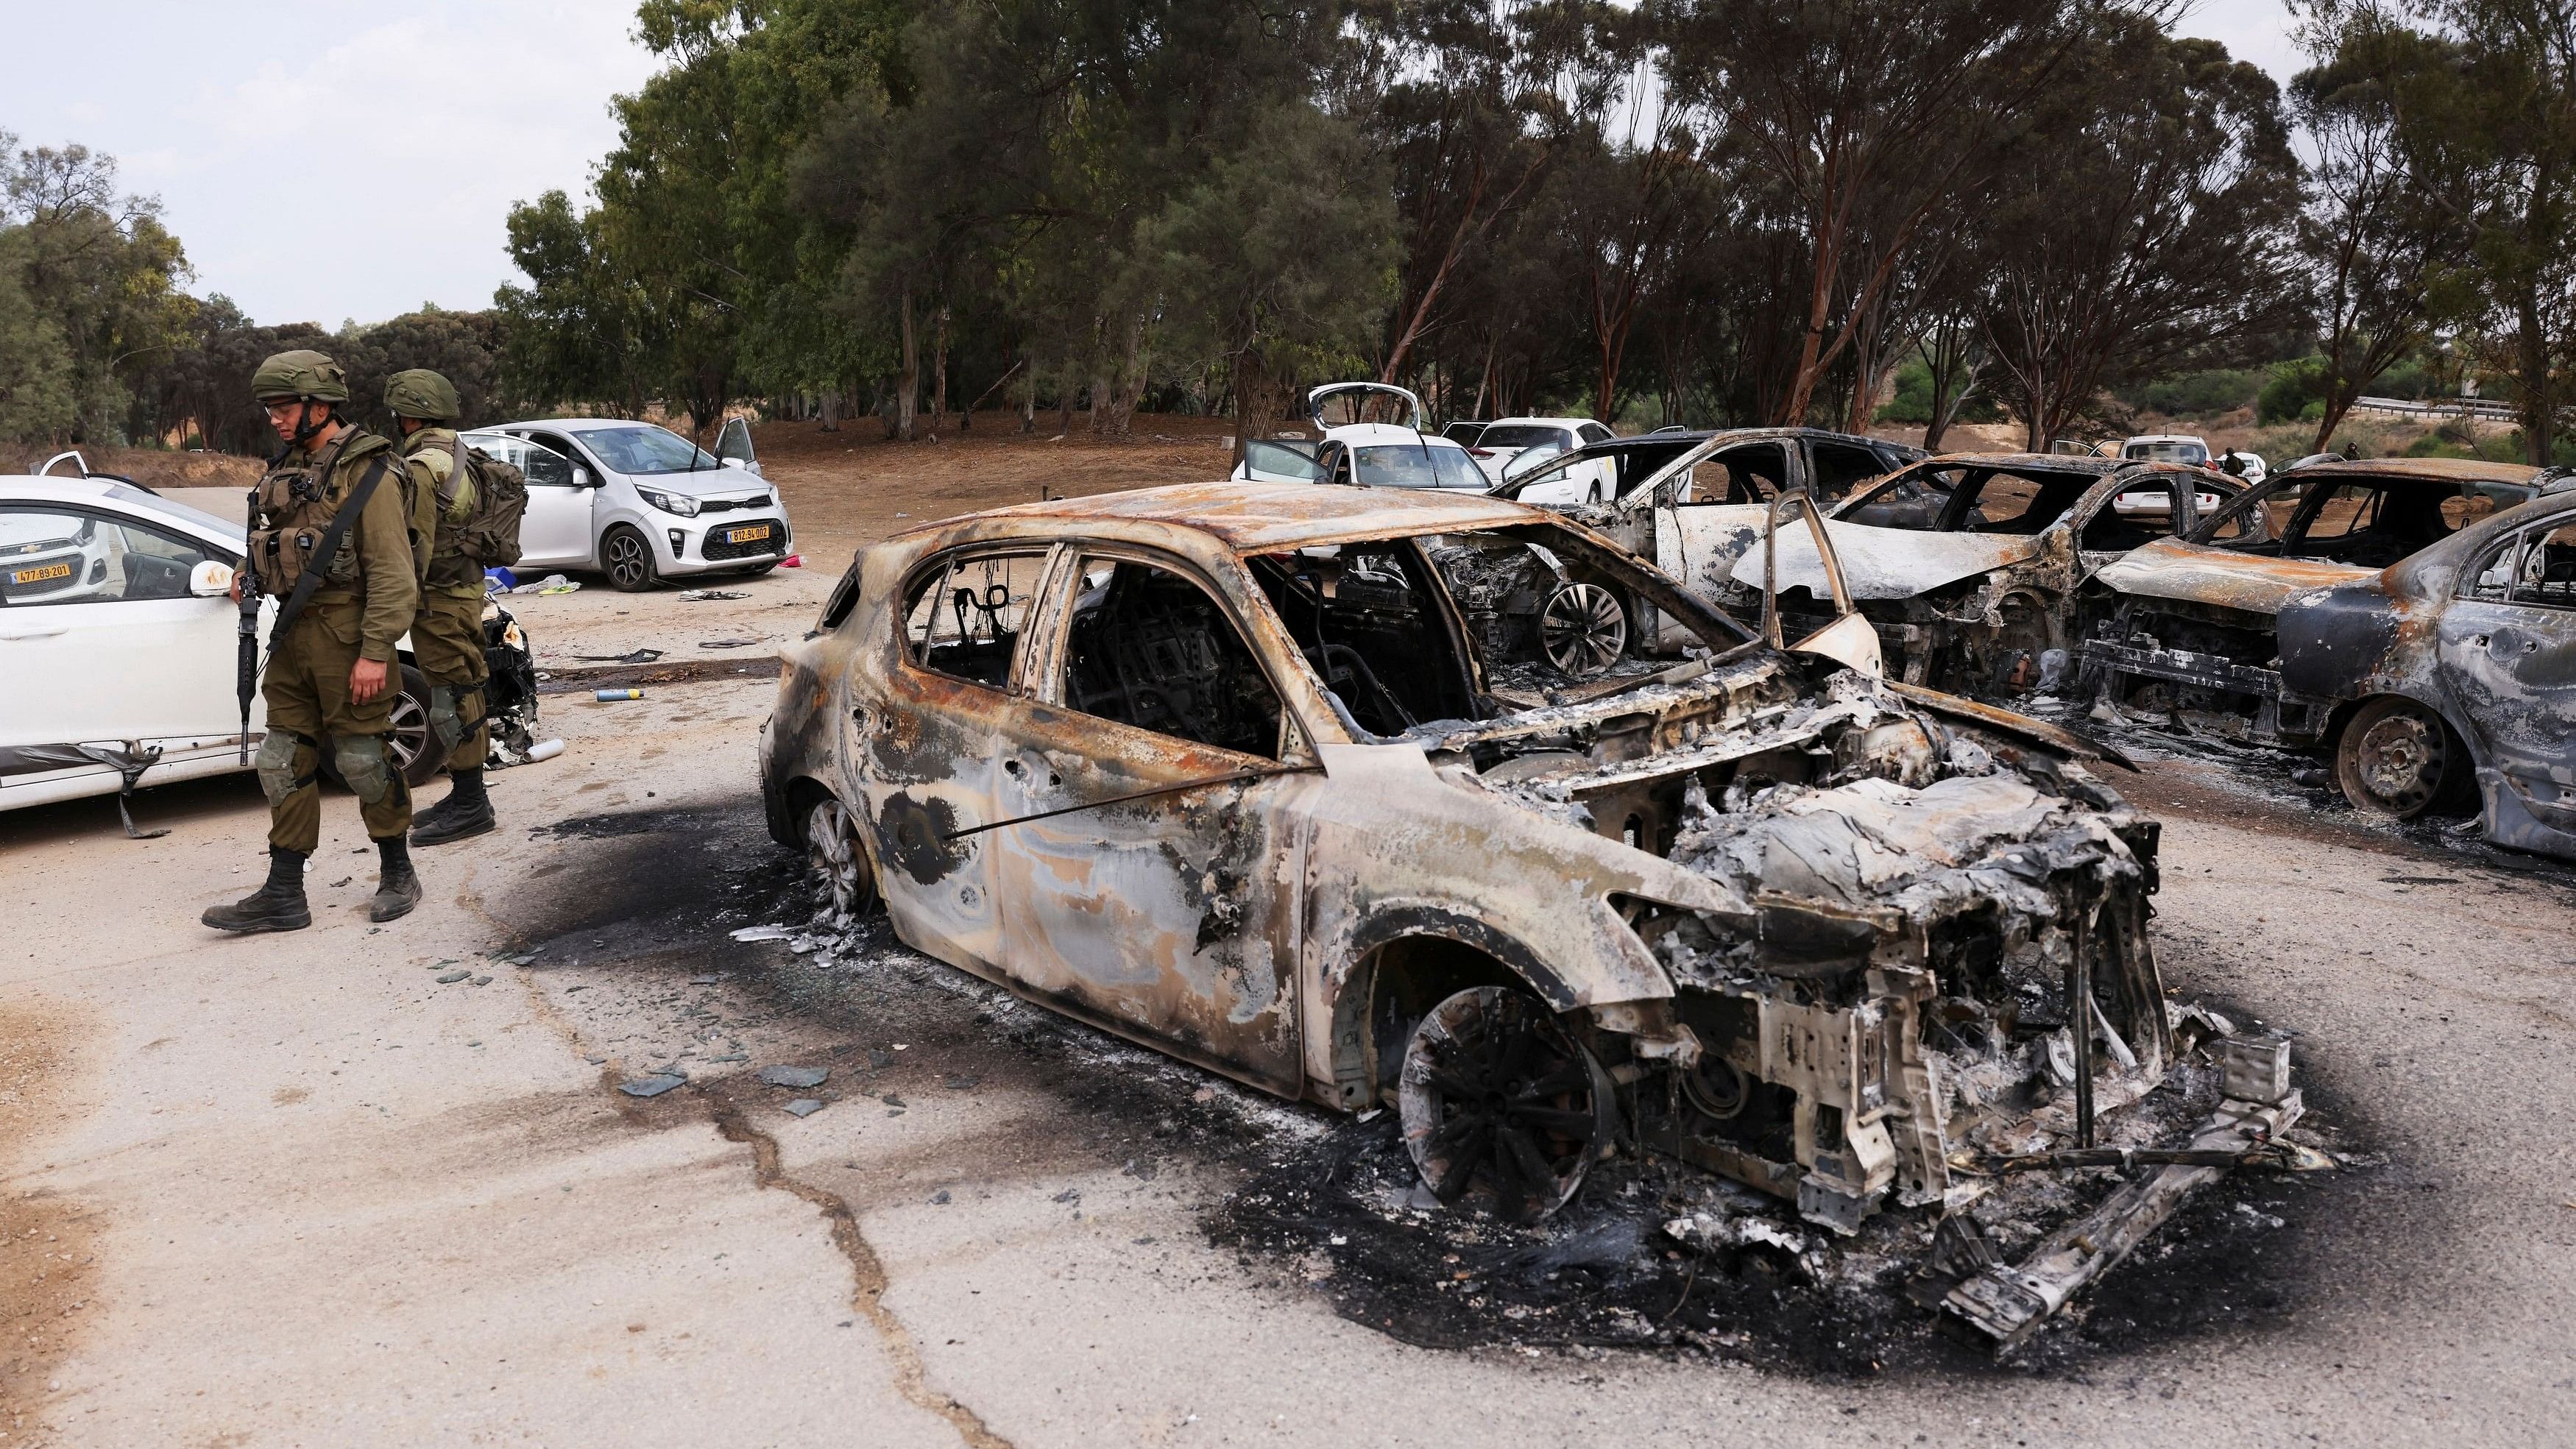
(1498, 1102)
(1583, 629)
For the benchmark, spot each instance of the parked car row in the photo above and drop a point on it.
(2153, 582)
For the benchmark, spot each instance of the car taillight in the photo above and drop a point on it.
(1480, 452)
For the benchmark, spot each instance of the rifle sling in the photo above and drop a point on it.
(329, 551)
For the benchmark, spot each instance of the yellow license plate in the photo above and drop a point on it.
(64, 571)
(753, 534)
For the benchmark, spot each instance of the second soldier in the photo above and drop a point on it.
(447, 633)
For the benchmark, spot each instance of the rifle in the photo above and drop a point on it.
(246, 655)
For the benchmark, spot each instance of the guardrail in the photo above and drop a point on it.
(2449, 407)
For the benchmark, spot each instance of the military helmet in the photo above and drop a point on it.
(302, 373)
(420, 393)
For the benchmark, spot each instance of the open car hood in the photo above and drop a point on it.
(1887, 563)
(2172, 569)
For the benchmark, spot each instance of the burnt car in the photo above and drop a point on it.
(1693, 503)
(2451, 676)
(1218, 768)
(2185, 630)
(1974, 566)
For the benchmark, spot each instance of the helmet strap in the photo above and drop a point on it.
(306, 425)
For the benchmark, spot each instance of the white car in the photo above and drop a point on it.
(638, 502)
(1509, 447)
(1373, 454)
(2192, 449)
(118, 645)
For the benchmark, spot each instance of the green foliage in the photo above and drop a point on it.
(93, 286)
(463, 347)
(1912, 403)
(2194, 394)
(2295, 389)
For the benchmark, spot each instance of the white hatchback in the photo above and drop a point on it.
(638, 502)
(1510, 447)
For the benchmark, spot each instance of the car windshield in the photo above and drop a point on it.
(1417, 465)
(2167, 452)
(155, 503)
(1364, 617)
(1520, 435)
(643, 448)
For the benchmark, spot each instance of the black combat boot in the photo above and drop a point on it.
(276, 906)
(466, 812)
(397, 888)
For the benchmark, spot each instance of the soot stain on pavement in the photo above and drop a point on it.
(1303, 1188)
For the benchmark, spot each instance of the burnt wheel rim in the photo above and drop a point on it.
(832, 853)
(1583, 629)
(1498, 1103)
(626, 564)
(2394, 763)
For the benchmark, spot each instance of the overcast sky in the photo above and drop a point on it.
(321, 166)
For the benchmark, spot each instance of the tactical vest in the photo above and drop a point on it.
(290, 510)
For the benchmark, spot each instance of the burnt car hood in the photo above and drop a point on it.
(2170, 568)
(1887, 563)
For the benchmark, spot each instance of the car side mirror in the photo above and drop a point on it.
(582, 477)
(210, 579)
(729, 462)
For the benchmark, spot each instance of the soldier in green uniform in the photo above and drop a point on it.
(331, 673)
(447, 633)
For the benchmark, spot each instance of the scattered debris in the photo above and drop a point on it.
(652, 1086)
(804, 1107)
(637, 656)
(726, 643)
(785, 1076)
(447, 978)
(699, 596)
(550, 584)
(764, 933)
(611, 696)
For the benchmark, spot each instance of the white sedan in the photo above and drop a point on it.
(117, 645)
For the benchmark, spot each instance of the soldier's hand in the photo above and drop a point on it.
(366, 680)
(235, 590)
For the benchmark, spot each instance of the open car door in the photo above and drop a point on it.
(733, 446)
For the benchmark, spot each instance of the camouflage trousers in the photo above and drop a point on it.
(447, 644)
(307, 690)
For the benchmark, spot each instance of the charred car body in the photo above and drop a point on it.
(1974, 567)
(1218, 768)
(1692, 503)
(2186, 630)
(2452, 673)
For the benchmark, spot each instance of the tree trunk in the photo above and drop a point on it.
(831, 409)
(907, 385)
(1029, 396)
(939, 371)
(2533, 346)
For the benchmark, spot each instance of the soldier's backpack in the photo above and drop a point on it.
(490, 534)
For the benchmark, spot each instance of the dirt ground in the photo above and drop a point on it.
(363, 1185)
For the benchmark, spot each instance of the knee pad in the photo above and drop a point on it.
(444, 721)
(362, 764)
(276, 760)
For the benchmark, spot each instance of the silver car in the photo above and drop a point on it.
(640, 503)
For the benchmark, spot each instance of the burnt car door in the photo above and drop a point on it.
(2506, 653)
(1706, 518)
(921, 760)
(1170, 917)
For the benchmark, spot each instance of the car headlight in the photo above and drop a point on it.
(669, 502)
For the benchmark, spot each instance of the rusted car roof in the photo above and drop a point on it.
(2438, 470)
(1268, 517)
